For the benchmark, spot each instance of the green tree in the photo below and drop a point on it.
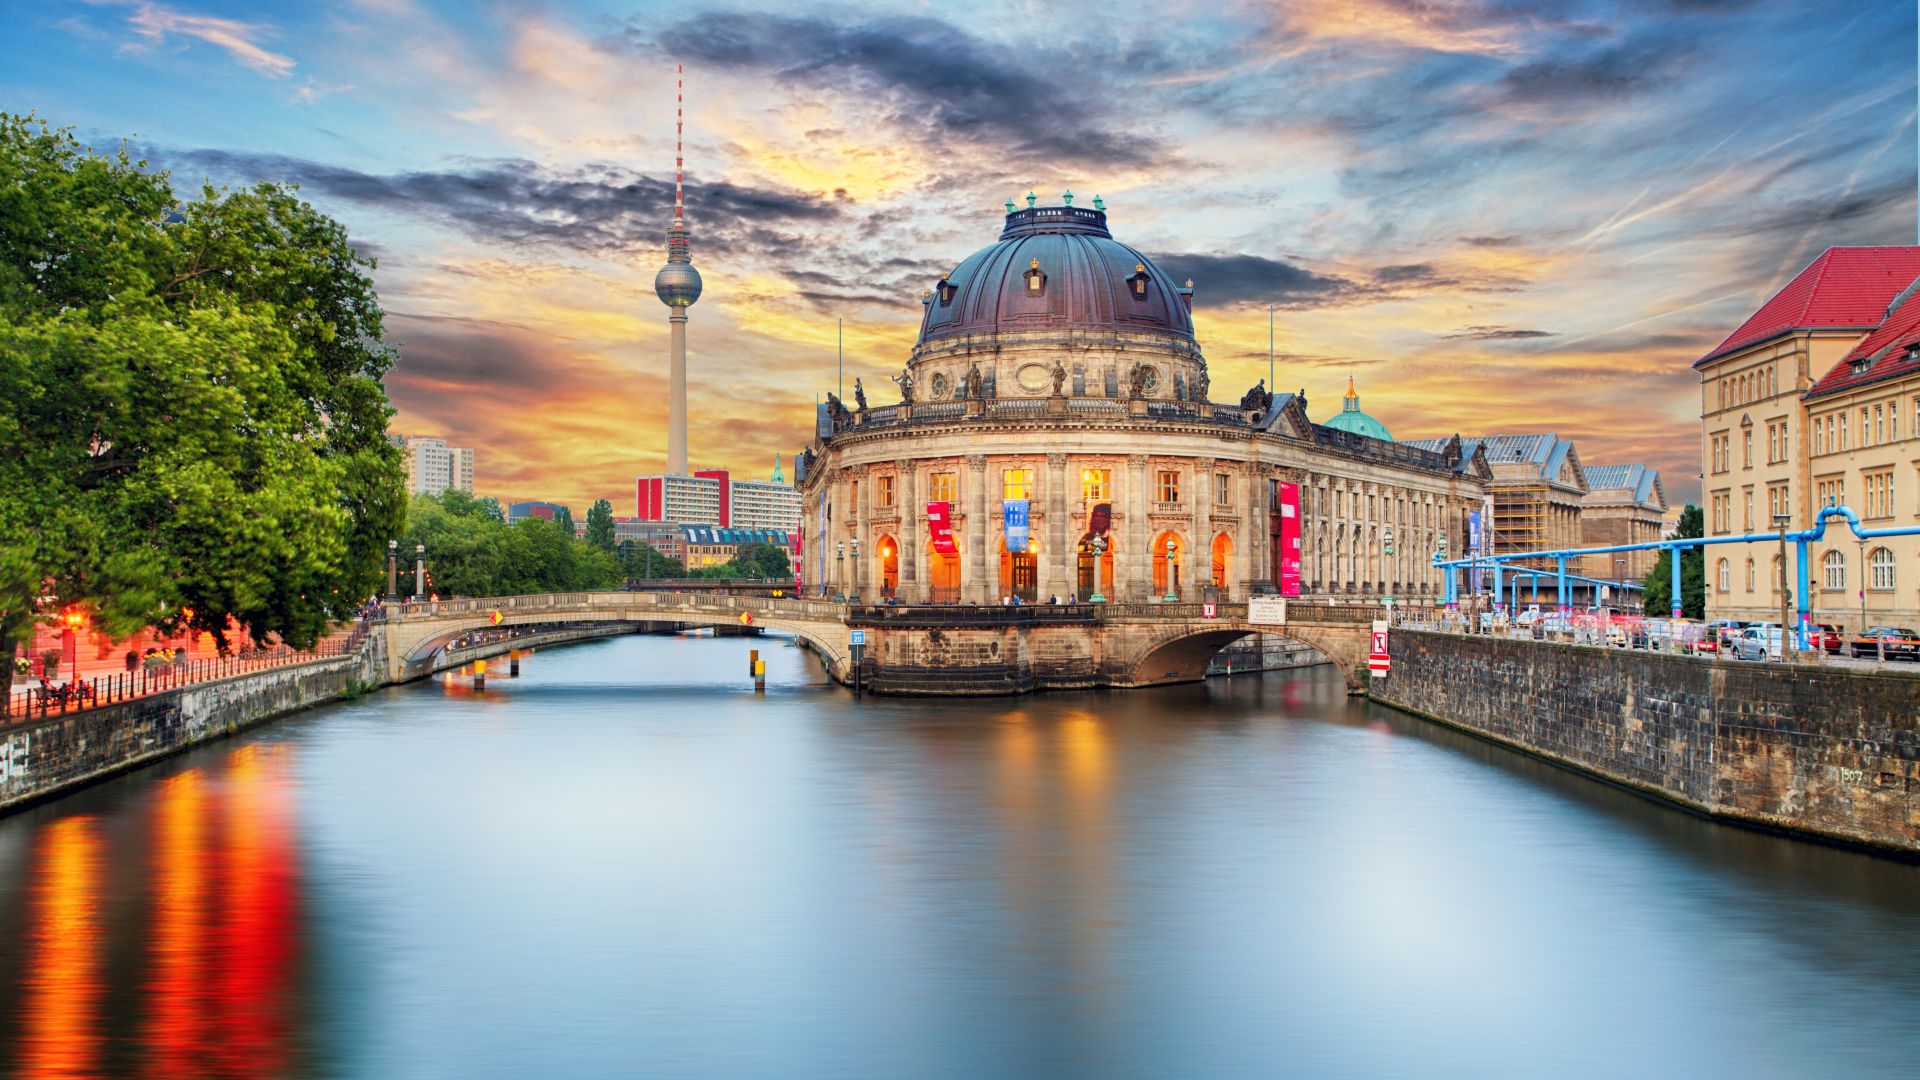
(600, 525)
(1658, 594)
(192, 421)
(471, 552)
(563, 517)
(757, 560)
(640, 561)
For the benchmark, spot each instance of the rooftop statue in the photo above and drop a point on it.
(1257, 399)
(1137, 380)
(859, 396)
(976, 385)
(1059, 377)
(905, 381)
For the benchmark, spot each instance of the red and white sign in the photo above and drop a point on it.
(1378, 662)
(1209, 610)
(940, 527)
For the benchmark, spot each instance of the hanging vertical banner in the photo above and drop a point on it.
(1289, 539)
(940, 527)
(799, 560)
(1473, 547)
(1014, 516)
(1100, 519)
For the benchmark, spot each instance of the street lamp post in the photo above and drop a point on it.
(1173, 595)
(853, 549)
(393, 570)
(840, 568)
(1863, 586)
(1387, 576)
(1099, 548)
(419, 570)
(1787, 642)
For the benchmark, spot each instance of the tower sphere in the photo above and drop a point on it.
(677, 284)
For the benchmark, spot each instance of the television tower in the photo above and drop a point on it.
(678, 286)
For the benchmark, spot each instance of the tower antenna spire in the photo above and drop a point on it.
(679, 135)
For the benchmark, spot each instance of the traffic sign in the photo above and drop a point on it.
(856, 637)
(1209, 610)
(1378, 662)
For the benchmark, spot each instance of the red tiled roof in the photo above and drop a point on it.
(1846, 288)
(1887, 352)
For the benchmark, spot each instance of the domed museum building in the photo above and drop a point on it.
(1058, 436)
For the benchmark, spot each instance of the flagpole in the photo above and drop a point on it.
(840, 350)
(1270, 383)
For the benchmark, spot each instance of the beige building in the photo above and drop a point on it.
(1057, 384)
(1625, 504)
(433, 466)
(1813, 401)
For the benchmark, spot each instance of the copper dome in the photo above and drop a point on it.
(1055, 268)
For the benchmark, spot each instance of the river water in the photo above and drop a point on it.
(626, 863)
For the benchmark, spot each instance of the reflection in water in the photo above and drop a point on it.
(63, 981)
(627, 863)
(213, 923)
(180, 1031)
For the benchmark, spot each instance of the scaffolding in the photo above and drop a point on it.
(1522, 518)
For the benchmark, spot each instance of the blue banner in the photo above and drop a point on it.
(1473, 547)
(1014, 516)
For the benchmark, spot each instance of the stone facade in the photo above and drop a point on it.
(1076, 385)
(1824, 752)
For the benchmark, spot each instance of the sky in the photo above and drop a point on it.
(1497, 216)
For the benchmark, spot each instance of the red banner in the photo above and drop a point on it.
(940, 527)
(1289, 511)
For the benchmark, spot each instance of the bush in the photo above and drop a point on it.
(50, 663)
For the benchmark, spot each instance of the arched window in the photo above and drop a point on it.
(1773, 576)
(1726, 576)
(1749, 575)
(1880, 569)
(1835, 565)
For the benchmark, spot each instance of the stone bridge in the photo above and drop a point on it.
(958, 650)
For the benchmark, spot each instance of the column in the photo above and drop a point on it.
(1253, 525)
(1057, 563)
(913, 528)
(976, 572)
(862, 530)
(1133, 571)
(1198, 573)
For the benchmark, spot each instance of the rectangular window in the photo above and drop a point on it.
(1879, 426)
(883, 491)
(1222, 489)
(1169, 486)
(1746, 449)
(942, 487)
(1096, 484)
(1016, 484)
(1747, 498)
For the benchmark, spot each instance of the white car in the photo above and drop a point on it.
(1761, 641)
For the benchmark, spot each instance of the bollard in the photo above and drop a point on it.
(479, 675)
(759, 674)
(513, 664)
(753, 662)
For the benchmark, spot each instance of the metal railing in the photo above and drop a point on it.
(50, 698)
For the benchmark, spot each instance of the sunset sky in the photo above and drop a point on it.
(1500, 217)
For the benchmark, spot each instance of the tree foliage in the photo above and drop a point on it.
(600, 525)
(641, 560)
(192, 421)
(471, 551)
(1658, 595)
(754, 560)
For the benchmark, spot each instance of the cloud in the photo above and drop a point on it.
(1616, 71)
(937, 83)
(240, 39)
(1229, 279)
(1495, 333)
(596, 209)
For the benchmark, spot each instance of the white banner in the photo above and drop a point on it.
(1267, 610)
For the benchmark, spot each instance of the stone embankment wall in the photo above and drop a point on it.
(44, 757)
(1828, 752)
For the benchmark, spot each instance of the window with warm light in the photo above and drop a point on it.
(1169, 486)
(942, 487)
(1016, 484)
(1096, 484)
(883, 491)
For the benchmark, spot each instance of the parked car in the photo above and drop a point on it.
(1722, 631)
(1827, 636)
(1761, 641)
(1893, 642)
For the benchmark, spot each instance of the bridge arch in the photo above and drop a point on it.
(1182, 654)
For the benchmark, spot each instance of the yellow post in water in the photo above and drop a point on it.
(479, 674)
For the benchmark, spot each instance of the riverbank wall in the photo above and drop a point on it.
(44, 757)
(1823, 753)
